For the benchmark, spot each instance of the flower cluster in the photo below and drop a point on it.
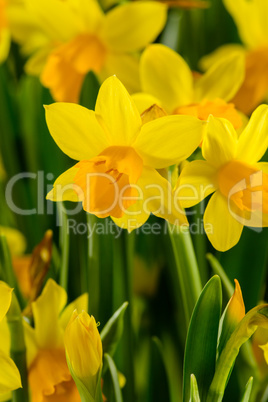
(151, 133)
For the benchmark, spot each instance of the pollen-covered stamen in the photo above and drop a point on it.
(245, 185)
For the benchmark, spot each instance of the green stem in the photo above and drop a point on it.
(123, 260)
(187, 269)
(93, 265)
(18, 348)
(64, 245)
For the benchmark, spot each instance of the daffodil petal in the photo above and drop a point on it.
(222, 80)
(134, 218)
(9, 374)
(245, 13)
(159, 199)
(76, 130)
(91, 12)
(220, 142)
(32, 346)
(117, 112)
(125, 67)
(154, 196)
(5, 299)
(197, 180)
(64, 188)
(253, 141)
(222, 229)
(46, 310)
(48, 13)
(144, 101)
(221, 52)
(130, 27)
(166, 76)
(168, 140)
(80, 304)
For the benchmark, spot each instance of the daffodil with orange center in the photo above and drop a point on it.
(118, 156)
(9, 373)
(231, 171)
(250, 17)
(48, 374)
(76, 37)
(167, 81)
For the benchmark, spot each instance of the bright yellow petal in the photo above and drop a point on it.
(134, 218)
(76, 130)
(159, 199)
(144, 101)
(165, 75)
(222, 80)
(9, 374)
(117, 113)
(46, 310)
(32, 346)
(64, 188)
(155, 196)
(246, 16)
(48, 13)
(79, 304)
(253, 141)
(220, 142)
(222, 229)
(15, 240)
(197, 180)
(5, 337)
(221, 53)
(132, 26)
(5, 299)
(169, 140)
(125, 67)
(90, 12)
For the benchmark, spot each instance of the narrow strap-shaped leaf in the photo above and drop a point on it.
(248, 388)
(112, 331)
(201, 344)
(117, 395)
(194, 394)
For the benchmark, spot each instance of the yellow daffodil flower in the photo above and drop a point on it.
(118, 155)
(250, 18)
(167, 80)
(15, 240)
(84, 350)
(231, 171)
(9, 374)
(49, 377)
(77, 37)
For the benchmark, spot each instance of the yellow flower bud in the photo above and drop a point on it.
(84, 349)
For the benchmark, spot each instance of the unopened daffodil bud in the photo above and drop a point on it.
(84, 353)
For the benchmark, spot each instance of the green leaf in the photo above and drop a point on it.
(257, 317)
(201, 343)
(112, 331)
(218, 270)
(248, 388)
(114, 381)
(194, 393)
